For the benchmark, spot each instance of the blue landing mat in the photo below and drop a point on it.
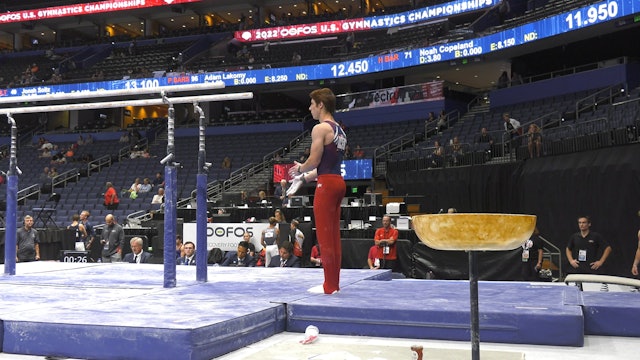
(436, 309)
(121, 311)
(612, 313)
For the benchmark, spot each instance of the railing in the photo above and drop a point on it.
(477, 101)
(433, 127)
(125, 152)
(606, 96)
(99, 163)
(381, 152)
(65, 177)
(28, 192)
(573, 70)
(556, 252)
(242, 174)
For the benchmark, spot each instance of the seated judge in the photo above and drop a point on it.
(189, 257)
(239, 258)
(137, 254)
(285, 257)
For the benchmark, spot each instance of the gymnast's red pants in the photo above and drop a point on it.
(326, 210)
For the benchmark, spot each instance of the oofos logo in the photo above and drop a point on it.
(228, 231)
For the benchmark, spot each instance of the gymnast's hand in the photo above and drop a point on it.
(296, 183)
(294, 170)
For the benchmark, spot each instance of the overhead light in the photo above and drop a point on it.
(172, 20)
(475, 76)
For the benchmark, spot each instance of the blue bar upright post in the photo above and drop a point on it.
(201, 201)
(170, 200)
(12, 204)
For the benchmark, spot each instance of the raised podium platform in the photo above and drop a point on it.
(121, 311)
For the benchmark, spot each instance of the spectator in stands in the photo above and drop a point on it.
(442, 121)
(27, 242)
(53, 173)
(270, 239)
(349, 41)
(124, 138)
(305, 154)
(372, 258)
(456, 150)
(296, 59)
(44, 176)
(347, 152)
(145, 187)
(46, 153)
(503, 11)
(158, 181)
(135, 187)
(534, 138)
(513, 128)
(296, 237)
(88, 139)
(532, 257)
(240, 257)
(243, 54)
(586, 250)
(516, 79)
(46, 144)
(137, 254)
(285, 257)
(112, 240)
(316, 256)
(70, 152)
(636, 259)
(58, 158)
(430, 118)
(226, 166)
(358, 153)
(80, 140)
(503, 80)
(437, 156)
(189, 257)
(159, 197)
(385, 240)
(280, 192)
(484, 137)
(111, 200)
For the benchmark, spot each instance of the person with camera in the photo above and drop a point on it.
(385, 241)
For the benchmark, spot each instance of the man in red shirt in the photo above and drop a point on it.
(111, 200)
(385, 241)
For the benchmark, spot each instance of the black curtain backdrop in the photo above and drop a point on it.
(558, 189)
